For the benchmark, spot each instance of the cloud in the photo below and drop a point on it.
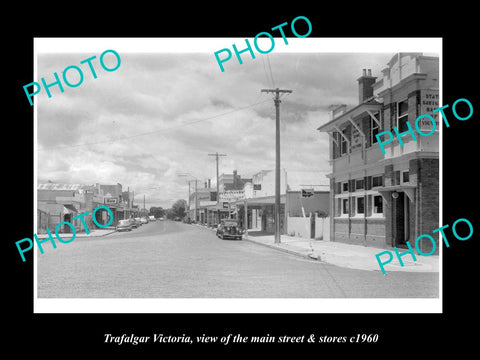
(161, 114)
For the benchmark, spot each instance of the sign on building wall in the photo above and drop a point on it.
(428, 103)
(111, 200)
(307, 193)
(232, 195)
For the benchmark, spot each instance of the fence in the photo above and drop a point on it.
(46, 220)
(42, 221)
(309, 227)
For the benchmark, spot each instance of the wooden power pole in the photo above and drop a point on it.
(277, 101)
(218, 193)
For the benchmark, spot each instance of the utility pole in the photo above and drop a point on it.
(128, 204)
(218, 187)
(196, 191)
(277, 101)
(189, 205)
(196, 201)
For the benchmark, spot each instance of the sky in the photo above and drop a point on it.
(161, 113)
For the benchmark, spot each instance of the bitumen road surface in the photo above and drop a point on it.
(167, 259)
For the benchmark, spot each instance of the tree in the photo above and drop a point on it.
(158, 212)
(178, 208)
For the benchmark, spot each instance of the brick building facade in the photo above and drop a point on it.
(378, 198)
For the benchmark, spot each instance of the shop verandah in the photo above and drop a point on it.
(211, 215)
(260, 214)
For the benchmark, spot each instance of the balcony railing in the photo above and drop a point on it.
(373, 153)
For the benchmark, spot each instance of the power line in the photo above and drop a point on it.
(266, 75)
(155, 131)
(270, 67)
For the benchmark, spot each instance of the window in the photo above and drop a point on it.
(360, 205)
(345, 206)
(377, 181)
(338, 208)
(375, 129)
(345, 186)
(343, 143)
(338, 188)
(396, 177)
(377, 204)
(336, 142)
(402, 115)
(359, 184)
(405, 177)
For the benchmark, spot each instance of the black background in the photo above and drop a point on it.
(63, 335)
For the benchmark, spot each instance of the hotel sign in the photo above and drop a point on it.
(428, 103)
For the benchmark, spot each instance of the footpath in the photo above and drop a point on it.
(344, 255)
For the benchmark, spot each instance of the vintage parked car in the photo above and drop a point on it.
(124, 225)
(133, 223)
(229, 229)
(144, 220)
(138, 221)
(151, 218)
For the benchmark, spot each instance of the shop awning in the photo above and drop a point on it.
(216, 207)
(265, 200)
(69, 209)
(407, 189)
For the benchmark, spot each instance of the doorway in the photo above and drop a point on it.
(312, 225)
(401, 220)
(67, 218)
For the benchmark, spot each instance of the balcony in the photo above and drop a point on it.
(357, 158)
(427, 144)
(373, 154)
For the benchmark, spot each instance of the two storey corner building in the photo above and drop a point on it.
(386, 199)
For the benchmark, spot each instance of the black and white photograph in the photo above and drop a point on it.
(223, 180)
(266, 182)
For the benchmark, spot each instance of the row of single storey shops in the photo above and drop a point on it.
(369, 198)
(59, 202)
(303, 203)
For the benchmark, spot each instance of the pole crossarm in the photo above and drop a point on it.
(276, 90)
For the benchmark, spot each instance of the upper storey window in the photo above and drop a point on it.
(402, 115)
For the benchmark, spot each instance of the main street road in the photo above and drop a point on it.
(166, 259)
